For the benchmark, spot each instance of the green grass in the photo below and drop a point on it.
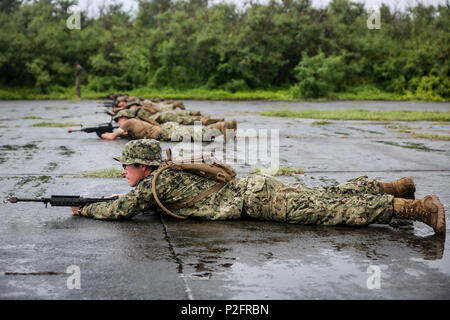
(104, 173)
(282, 171)
(430, 136)
(31, 117)
(55, 124)
(356, 93)
(408, 129)
(361, 114)
(321, 123)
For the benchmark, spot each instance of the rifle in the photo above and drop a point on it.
(108, 112)
(108, 104)
(103, 128)
(63, 201)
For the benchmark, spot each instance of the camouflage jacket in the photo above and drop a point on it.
(175, 187)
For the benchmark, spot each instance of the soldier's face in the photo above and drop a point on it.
(122, 104)
(134, 173)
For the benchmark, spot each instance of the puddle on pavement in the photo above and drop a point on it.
(411, 145)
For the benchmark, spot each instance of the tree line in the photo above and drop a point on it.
(187, 44)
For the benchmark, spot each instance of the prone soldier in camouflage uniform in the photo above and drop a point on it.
(134, 128)
(184, 117)
(358, 202)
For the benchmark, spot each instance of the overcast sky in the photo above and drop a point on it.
(92, 5)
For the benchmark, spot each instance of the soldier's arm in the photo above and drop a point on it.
(126, 207)
(113, 135)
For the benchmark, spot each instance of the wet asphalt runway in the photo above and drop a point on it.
(157, 257)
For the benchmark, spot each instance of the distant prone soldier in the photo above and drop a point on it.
(134, 128)
(186, 117)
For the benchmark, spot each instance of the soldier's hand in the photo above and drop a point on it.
(76, 210)
(114, 195)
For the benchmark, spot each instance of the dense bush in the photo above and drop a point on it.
(189, 44)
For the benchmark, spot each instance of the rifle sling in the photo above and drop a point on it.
(185, 204)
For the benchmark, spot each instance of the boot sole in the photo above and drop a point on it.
(412, 188)
(440, 225)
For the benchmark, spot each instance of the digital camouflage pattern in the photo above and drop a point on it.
(173, 187)
(261, 197)
(357, 202)
(173, 131)
(127, 113)
(178, 116)
(143, 151)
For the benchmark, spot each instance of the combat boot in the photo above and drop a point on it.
(208, 121)
(230, 126)
(428, 210)
(401, 188)
(180, 105)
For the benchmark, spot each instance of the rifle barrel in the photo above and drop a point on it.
(15, 199)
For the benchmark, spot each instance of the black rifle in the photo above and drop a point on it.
(63, 201)
(101, 129)
(107, 104)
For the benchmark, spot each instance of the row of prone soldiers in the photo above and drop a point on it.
(159, 119)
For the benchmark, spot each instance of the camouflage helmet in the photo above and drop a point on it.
(127, 113)
(142, 151)
(122, 98)
(132, 103)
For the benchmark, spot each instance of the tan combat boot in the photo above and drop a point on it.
(223, 126)
(208, 121)
(180, 105)
(402, 188)
(428, 210)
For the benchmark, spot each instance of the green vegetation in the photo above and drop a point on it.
(430, 136)
(282, 171)
(408, 129)
(55, 124)
(184, 49)
(105, 173)
(361, 114)
(31, 117)
(321, 123)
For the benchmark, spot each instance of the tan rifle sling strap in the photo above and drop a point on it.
(199, 165)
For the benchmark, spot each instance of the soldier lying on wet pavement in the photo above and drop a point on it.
(358, 202)
(135, 128)
(185, 117)
(125, 102)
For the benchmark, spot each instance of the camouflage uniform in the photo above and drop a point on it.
(178, 116)
(172, 131)
(356, 202)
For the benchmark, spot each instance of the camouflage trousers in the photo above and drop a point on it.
(178, 116)
(356, 202)
(173, 131)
